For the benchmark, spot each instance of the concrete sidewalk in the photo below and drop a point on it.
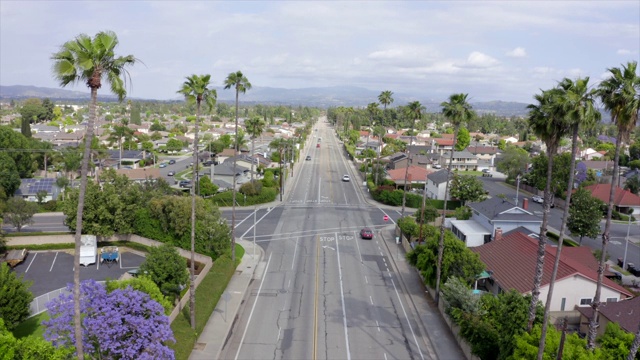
(214, 334)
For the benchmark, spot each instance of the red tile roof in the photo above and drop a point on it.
(444, 142)
(513, 261)
(621, 198)
(416, 173)
(391, 136)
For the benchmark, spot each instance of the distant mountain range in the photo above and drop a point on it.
(322, 97)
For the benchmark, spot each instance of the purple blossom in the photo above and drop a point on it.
(581, 172)
(607, 139)
(123, 324)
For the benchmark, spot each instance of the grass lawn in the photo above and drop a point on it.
(32, 327)
(207, 296)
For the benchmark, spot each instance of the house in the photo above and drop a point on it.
(415, 175)
(73, 138)
(625, 313)
(225, 154)
(398, 161)
(511, 261)
(510, 139)
(440, 145)
(497, 213)
(29, 189)
(140, 175)
(482, 151)
(624, 200)
(436, 183)
(462, 160)
(130, 158)
(224, 172)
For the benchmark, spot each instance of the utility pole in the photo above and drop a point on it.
(281, 174)
(517, 188)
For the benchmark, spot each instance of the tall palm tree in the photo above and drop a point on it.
(241, 84)
(546, 119)
(255, 127)
(620, 96)
(88, 60)
(373, 110)
(196, 90)
(385, 98)
(458, 111)
(413, 112)
(577, 103)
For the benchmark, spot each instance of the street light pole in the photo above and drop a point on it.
(517, 188)
(626, 244)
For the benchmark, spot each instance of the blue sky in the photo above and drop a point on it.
(492, 50)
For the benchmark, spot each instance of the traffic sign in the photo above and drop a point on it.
(386, 218)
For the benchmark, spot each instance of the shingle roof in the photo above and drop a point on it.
(513, 261)
(493, 207)
(621, 197)
(460, 154)
(416, 173)
(626, 313)
(397, 157)
(439, 177)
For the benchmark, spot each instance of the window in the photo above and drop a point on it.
(585, 301)
(564, 302)
(612, 300)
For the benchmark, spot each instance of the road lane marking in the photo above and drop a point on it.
(408, 320)
(54, 261)
(293, 260)
(358, 245)
(371, 299)
(385, 354)
(266, 271)
(344, 312)
(315, 303)
(365, 279)
(252, 226)
(378, 325)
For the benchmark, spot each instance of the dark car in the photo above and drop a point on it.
(171, 162)
(633, 270)
(366, 233)
(308, 158)
(184, 183)
(615, 275)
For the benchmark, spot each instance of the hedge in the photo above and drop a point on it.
(226, 198)
(388, 195)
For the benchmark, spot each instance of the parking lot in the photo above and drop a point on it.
(52, 270)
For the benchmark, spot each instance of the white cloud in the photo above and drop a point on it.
(517, 52)
(479, 60)
(624, 52)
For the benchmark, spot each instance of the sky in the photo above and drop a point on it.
(492, 50)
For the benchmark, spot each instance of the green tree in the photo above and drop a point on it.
(547, 121)
(19, 212)
(9, 175)
(15, 297)
(240, 84)
(10, 139)
(578, 104)
(514, 162)
(206, 187)
(385, 98)
(634, 151)
(196, 90)
(29, 348)
(167, 269)
(174, 145)
(620, 96)
(526, 346)
(458, 111)
(88, 60)
(463, 140)
(467, 188)
(134, 118)
(146, 285)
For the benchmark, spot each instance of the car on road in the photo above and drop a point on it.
(171, 173)
(171, 162)
(308, 158)
(184, 183)
(540, 200)
(346, 178)
(486, 174)
(486, 171)
(366, 233)
(317, 145)
(162, 165)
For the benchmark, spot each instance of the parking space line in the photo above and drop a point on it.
(34, 257)
(54, 261)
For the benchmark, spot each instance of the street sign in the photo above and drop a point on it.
(386, 218)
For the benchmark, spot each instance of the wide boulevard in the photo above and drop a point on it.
(324, 292)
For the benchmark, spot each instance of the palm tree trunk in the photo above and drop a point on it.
(77, 316)
(444, 215)
(593, 322)
(233, 211)
(194, 181)
(634, 346)
(556, 263)
(253, 149)
(406, 178)
(542, 241)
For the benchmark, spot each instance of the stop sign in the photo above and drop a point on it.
(385, 218)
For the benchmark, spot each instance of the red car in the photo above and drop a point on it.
(317, 145)
(366, 233)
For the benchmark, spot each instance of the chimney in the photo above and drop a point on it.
(525, 204)
(498, 234)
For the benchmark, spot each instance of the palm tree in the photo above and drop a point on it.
(373, 110)
(255, 127)
(547, 121)
(577, 104)
(241, 84)
(196, 90)
(385, 98)
(413, 112)
(88, 60)
(620, 96)
(458, 111)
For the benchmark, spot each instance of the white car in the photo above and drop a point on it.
(537, 199)
(346, 178)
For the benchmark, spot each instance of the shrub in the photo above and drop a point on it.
(51, 205)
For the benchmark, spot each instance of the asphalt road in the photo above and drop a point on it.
(325, 293)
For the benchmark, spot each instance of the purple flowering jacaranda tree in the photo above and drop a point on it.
(122, 324)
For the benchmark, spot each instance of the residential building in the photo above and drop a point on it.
(415, 175)
(625, 313)
(497, 213)
(29, 189)
(462, 160)
(624, 200)
(436, 183)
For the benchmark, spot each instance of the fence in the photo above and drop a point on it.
(39, 304)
